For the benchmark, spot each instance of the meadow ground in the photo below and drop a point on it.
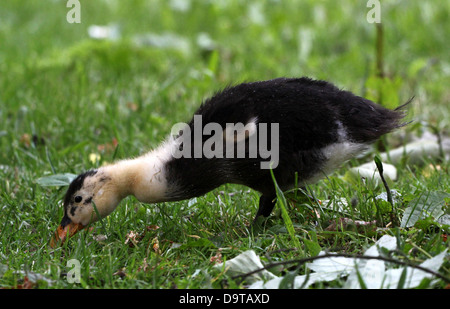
(71, 102)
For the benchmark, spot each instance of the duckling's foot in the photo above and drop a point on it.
(266, 205)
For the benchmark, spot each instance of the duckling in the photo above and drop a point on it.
(295, 127)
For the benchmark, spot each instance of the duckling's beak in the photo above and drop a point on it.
(63, 232)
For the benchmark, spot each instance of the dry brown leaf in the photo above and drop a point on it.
(131, 239)
(121, 273)
(155, 245)
(25, 140)
(217, 258)
(134, 238)
(27, 284)
(132, 106)
(108, 147)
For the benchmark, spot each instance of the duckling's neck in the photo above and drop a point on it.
(142, 177)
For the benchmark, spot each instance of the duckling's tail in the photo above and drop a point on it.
(402, 112)
(401, 107)
(366, 121)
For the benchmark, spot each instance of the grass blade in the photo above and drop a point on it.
(282, 203)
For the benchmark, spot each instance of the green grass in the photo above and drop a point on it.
(62, 95)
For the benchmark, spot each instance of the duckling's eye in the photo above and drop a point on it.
(78, 199)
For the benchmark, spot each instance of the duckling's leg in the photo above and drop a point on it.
(266, 205)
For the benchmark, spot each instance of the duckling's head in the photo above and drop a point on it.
(90, 197)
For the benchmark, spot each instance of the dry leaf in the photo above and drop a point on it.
(27, 284)
(152, 227)
(194, 236)
(216, 259)
(155, 245)
(346, 224)
(108, 147)
(121, 273)
(134, 238)
(144, 266)
(131, 239)
(132, 106)
(25, 140)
